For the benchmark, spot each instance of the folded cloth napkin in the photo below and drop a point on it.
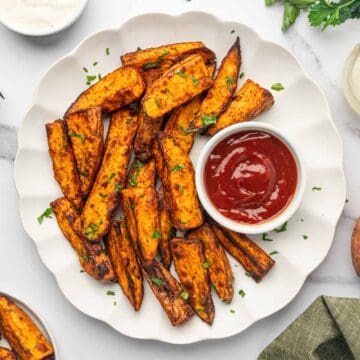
(328, 330)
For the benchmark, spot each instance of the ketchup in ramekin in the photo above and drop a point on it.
(250, 176)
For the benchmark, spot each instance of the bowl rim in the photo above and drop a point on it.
(56, 29)
(35, 315)
(265, 226)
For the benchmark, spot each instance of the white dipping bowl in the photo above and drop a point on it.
(266, 225)
(66, 21)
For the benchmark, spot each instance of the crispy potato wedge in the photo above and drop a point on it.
(169, 293)
(219, 268)
(22, 334)
(104, 196)
(125, 263)
(64, 165)
(141, 175)
(249, 101)
(6, 354)
(179, 184)
(179, 125)
(140, 207)
(256, 262)
(176, 86)
(86, 132)
(118, 88)
(355, 247)
(92, 256)
(144, 58)
(190, 264)
(224, 86)
(166, 228)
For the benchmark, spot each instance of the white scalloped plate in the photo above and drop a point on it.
(301, 111)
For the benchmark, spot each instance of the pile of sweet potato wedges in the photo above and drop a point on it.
(158, 100)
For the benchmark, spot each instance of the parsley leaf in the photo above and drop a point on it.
(156, 234)
(180, 73)
(46, 214)
(155, 64)
(206, 264)
(82, 137)
(111, 293)
(277, 87)
(291, 12)
(184, 295)
(242, 293)
(178, 167)
(195, 81)
(208, 119)
(265, 237)
(156, 281)
(282, 228)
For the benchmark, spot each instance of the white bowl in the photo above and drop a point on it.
(35, 316)
(30, 31)
(264, 226)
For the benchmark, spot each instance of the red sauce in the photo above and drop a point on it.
(251, 176)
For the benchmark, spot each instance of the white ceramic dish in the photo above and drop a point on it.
(36, 317)
(18, 25)
(301, 111)
(272, 223)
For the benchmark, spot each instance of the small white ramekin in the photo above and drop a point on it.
(266, 225)
(71, 19)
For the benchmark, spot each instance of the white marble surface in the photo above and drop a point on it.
(23, 61)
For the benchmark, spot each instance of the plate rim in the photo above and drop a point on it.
(340, 168)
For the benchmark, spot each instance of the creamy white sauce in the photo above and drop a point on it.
(352, 79)
(38, 15)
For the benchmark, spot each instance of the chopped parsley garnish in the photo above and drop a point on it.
(316, 188)
(208, 119)
(229, 81)
(182, 188)
(274, 253)
(277, 87)
(171, 234)
(156, 281)
(282, 228)
(82, 137)
(117, 187)
(206, 264)
(157, 102)
(111, 176)
(131, 206)
(242, 293)
(103, 195)
(195, 81)
(178, 167)
(305, 237)
(90, 78)
(232, 311)
(107, 51)
(155, 64)
(232, 31)
(187, 131)
(95, 63)
(93, 229)
(139, 165)
(82, 271)
(129, 120)
(99, 76)
(241, 75)
(115, 303)
(46, 214)
(111, 293)
(184, 295)
(156, 234)
(181, 74)
(346, 201)
(134, 178)
(265, 237)
(138, 48)
(84, 256)
(2, 96)
(85, 69)
(82, 172)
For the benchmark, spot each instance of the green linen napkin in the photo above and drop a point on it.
(328, 330)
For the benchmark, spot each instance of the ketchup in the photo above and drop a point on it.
(251, 176)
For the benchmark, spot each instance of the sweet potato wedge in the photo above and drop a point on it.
(127, 206)
(118, 88)
(86, 132)
(222, 90)
(104, 196)
(249, 101)
(6, 354)
(153, 57)
(22, 334)
(179, 183)
(191, 266)
(64, 165)
(176, 86)
(125, 263)
(219, 268)
(179, 125)
(256, 262)
(92, 256)
(169, 293)
(141, 174)
(142, 204)
(166, 228)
